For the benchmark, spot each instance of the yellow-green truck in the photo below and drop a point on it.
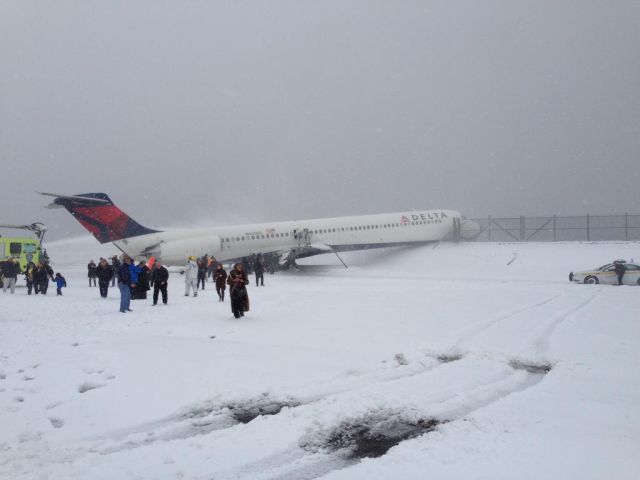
(23, 250)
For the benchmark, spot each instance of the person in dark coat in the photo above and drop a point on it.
(238, 282)
(258, 269)
(105, 275)
(160, 278)
(10, 272)
(124, 284)
(31, 267)
(60, 283)
(91, 273)
(246, 265)
(202, 272)
(115, 266)
(620, 270)
(220, 277)
(41, 276)
(142, 287)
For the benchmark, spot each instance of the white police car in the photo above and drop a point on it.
(606, 274)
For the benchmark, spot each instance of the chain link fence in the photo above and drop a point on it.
(590, 228)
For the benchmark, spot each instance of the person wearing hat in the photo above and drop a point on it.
(191, 277)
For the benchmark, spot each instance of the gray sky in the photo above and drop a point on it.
(197, 112)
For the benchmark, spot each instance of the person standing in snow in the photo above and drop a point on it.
(124, 284)
(142, 286)
(220, 277)
(105, 275)
(211, 267)
(91, 273)
(258, 268)
(202, 272)
(135, 272)
(31, 267)
(191, 277)
(60, 283)
(238, 282)
(41, 276)
(160, 276)
(620, 270)
(10, 272)
(115, 266)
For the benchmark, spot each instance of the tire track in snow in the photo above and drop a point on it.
(541, 344)
(483, 326)
(300, 464)
(203, 419)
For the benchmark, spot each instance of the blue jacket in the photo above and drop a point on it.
(135, 270)
(60, 282)
(124, 274)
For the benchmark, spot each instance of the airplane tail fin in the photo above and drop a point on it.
(98, 214)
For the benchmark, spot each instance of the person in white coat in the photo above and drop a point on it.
(191, 277)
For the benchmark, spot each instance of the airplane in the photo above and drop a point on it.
(288, 240)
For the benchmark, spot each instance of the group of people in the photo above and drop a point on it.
(195, 275)
(135, 280)
(103, 274)
(37, 275)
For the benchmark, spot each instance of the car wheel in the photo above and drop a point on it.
(591, 280)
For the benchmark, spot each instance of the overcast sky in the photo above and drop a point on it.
(196, 112)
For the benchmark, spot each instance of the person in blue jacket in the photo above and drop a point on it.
(60, 283)
(124, 284)
(135, 272)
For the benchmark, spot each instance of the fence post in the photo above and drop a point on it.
(626, 227)
(522, 228)
(489, 227)
(554, 228)
(588, 232)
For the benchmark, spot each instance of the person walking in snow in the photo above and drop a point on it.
(160, 277)
(238, 282)
(10, 271)
(91, 273)
(105, 275)
(124, 284)
(60, 283)
(620, 270)
(41, 276)
(31, 267)
(220, 277)
(202, 272)
(191, 277)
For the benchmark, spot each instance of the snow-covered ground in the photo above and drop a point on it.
(480, 361)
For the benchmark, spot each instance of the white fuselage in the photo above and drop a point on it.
(318, 236)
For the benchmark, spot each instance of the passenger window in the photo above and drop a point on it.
(29, 248)
(15, 248)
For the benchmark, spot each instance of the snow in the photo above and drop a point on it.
(523, 374)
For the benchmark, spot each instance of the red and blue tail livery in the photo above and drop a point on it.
(98, 214)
